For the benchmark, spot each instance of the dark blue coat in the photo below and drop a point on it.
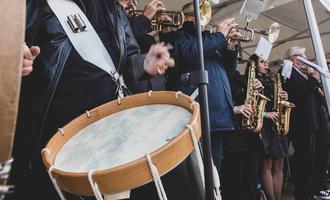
(220, 63)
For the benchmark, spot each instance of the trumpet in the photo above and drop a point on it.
(158, 22)
(272, 33)
(248, 34)
(178, 17)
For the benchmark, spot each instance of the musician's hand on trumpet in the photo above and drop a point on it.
(152, 8)
(233, 37)
(309, 71)
(165, 18)
(226, 26)
(316, 75)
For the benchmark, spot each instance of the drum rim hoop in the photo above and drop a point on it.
(82, 187)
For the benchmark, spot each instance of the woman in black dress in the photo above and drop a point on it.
(276, 146)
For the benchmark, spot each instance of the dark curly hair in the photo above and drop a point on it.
(255, 58)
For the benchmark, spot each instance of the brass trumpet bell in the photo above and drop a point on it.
(272, 33)
(205, 11)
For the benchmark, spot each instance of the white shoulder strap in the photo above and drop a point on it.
(84, 38)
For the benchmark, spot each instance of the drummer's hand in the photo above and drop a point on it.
(158, 60)
(29, 54)
(245, 110)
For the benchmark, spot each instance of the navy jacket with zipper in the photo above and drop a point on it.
(220, 63)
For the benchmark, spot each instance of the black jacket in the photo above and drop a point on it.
(303, 93)
(43, 29)
(141, 25)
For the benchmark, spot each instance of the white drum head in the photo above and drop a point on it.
(122, 137)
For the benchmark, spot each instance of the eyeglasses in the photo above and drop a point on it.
(266, 62)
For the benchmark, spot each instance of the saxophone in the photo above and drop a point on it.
(282, 107)
(257, 101)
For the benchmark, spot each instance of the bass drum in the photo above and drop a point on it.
(107, 148)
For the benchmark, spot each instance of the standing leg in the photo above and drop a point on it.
(278, 177)
(303, 160)
(267, 179)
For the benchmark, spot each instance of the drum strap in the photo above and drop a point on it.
(216, 180)
(197, 151)
(94, 186)
(52, 178)
(156, 177)
(85, 40)
(59, 191)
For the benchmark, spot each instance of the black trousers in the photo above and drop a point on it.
(321, 160)
(303, 164)
(240, 169)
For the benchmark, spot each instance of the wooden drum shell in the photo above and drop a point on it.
(133, 174)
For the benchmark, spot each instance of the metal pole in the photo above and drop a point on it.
(318, 47)
(206, 139)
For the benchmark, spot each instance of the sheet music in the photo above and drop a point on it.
(264, 47)
(252, 8)
(287, 69)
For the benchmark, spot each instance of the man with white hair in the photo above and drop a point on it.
(302, 87)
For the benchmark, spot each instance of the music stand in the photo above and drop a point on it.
(202, 86)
